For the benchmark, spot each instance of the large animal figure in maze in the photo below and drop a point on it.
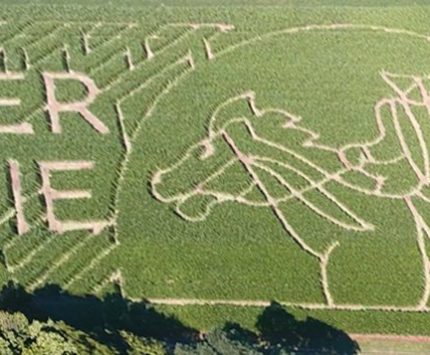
(259, 159)
(240, 161)
(327, 196)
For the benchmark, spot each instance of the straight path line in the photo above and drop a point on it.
(394, 337)
(266, 303)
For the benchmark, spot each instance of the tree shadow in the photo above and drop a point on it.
(277, 326)
(106, 318)
(103, 318)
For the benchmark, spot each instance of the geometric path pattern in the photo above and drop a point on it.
(112, 52)
(133, 68)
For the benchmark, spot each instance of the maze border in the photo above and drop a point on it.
(211, 55)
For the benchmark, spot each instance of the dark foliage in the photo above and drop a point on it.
(108, 319)
(105, 319)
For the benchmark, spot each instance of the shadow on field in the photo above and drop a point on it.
(279, 327)
(104, 319)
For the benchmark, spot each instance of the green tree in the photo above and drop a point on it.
(221, 341)
(18, 335)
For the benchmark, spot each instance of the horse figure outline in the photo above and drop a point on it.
(237, 148)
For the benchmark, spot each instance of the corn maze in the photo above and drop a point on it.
(208, 162)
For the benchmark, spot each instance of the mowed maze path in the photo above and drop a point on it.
(105, 52)
(123, 144)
